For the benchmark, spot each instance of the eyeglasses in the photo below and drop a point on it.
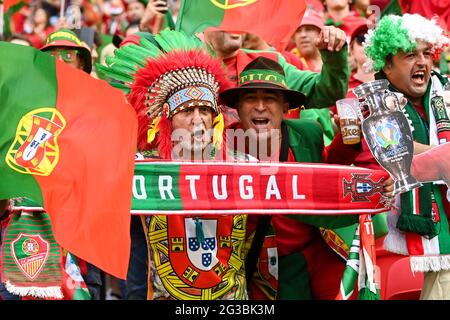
(67, 55)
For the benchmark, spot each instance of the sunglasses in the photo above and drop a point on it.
(67, 55)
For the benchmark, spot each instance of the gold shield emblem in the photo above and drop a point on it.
(173, 271)
(231, 4)
(35, 149)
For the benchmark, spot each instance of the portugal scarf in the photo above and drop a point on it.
(31, 257)
(33, 265)
(361, 262)
(418, 226)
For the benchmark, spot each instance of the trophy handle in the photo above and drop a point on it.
(393, 104)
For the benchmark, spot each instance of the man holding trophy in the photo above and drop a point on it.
(401, 51)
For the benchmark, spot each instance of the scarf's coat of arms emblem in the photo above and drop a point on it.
(361, 187)
(30, 253)
(35, 148)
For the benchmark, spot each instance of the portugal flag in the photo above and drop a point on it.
(68, 141)
(10, 3)
(273, 20)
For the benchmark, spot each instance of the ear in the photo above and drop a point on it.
(388, 66)
(387, 69)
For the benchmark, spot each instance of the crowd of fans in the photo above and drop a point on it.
(106, 25)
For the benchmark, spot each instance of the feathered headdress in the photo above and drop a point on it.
(164, 77)
(395, 33)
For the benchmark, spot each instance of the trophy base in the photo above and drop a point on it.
(405, 185)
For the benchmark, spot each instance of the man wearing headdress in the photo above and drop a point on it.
(175, 95)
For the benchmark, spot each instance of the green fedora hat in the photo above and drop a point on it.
(263, 73)
(68, 39)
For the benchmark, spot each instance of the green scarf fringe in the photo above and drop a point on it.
(366, 294)
(417, 224)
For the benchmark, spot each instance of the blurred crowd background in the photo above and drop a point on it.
(103, 24)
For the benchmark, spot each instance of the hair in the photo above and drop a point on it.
(394, 33)
(350, 2)
(132, 25)
(47, 13)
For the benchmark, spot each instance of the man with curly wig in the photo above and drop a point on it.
(401, 50)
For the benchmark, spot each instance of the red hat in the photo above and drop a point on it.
(359, 29)
(312, 18)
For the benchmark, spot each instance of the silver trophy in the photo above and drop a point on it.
(388, 134)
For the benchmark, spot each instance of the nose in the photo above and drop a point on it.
(421, 59)
(196, 117)
(302, 33)
(260, 105)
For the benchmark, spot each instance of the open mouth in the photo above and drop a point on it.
(198, 134)
(418, 77)
(260, 123)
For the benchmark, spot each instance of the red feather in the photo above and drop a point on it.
(165, 138)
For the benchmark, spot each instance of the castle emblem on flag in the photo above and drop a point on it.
(30, 253)
(361, 187)
(230, 4)
(35, 150)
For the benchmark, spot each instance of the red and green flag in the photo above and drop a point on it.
(11, 3)
(273, 20)
(67, 141)
(8, 9)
